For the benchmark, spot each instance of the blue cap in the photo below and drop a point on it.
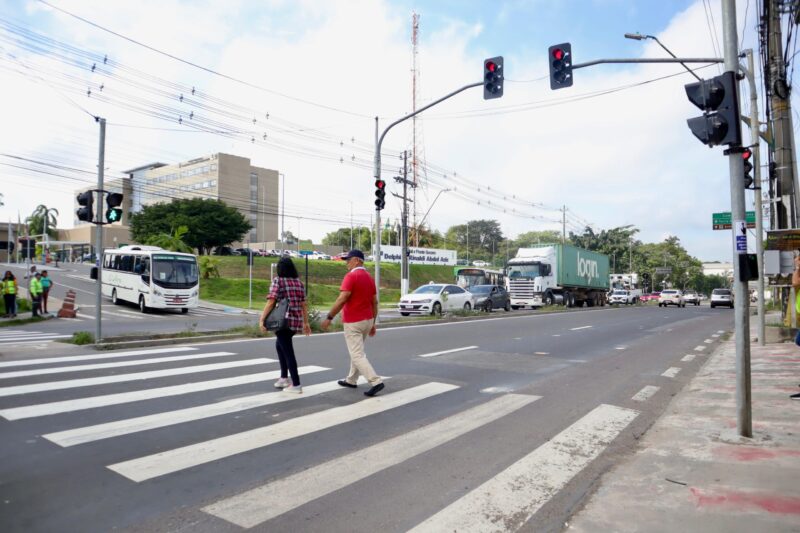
(355, 253)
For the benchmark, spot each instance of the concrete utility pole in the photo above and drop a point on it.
(755, 141)
(739, 233)
(779, 94)
(99, 232)
(564, 225)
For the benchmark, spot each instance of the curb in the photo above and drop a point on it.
(163, 341)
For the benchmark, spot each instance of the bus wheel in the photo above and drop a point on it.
(184, 310)
(142, 306)
(114, 297)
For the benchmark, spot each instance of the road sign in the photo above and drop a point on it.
(723, 220)
(740, 237)
(306, 252)
(663, 270)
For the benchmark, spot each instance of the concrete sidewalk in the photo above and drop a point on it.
(692, 472)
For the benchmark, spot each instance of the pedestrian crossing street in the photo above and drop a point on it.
(508, 498)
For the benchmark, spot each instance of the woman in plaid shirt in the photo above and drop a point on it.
(288, 285)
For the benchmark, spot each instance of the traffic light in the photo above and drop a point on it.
(718, 99)
(380, 194)
(114, 212)
(559, 57)
(748, 167)
(493, 78)
(86, 213)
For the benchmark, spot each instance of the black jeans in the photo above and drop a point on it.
(11, 303)
(286, 358)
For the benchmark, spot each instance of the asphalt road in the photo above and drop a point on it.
(499, 424)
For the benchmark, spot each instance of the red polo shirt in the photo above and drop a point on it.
(362, 293)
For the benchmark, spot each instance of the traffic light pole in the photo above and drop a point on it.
(650, 60)
(99, 232)
(742, 306)
(378, 143)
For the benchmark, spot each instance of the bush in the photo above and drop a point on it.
(82, 337)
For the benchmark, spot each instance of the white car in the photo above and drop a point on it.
(480, 263)
(671, 297)
(434, 298)
(720, 297)
(621, 296)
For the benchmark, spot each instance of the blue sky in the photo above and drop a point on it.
(624, 158)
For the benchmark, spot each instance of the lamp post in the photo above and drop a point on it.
(428, 211)
(639, 37)
(283, 207)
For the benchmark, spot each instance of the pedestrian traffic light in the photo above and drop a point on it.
(86, 213)
(748, 166)
(559, 58)
(380, 194)
(493, 78)
(114, 212)
(718, 99)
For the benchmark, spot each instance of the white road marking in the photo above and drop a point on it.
(582, 327)
(166, 462)
(98, 366)
(265, 502)
(84, 315)
(120, 378)
(91, 357)
(120, 315)
(577, 361)
(688, 357)
(699, 348)
(671, 372)
(68, 406)
(721, 331)
(643, 395)
(38, 337)
(621, 348)
(715, 335)
(708, 341)
(508, 500)
(434, 354)
(541, 353)
(72, 437)
(556, 335)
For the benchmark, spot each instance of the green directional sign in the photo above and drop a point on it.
(723, 220)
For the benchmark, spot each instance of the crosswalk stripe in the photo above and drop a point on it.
(17, 343)
(80, 404)
(98, 366)
(72, 437)
(19, 332)
(671, 372)
(120, 378)
(265, 502)
(120, 315)
(645, 394)
(44, 336)
(508, 500)
(92, 357)
(688, 358)
(170, 461)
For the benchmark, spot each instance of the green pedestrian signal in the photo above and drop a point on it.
(114, 211)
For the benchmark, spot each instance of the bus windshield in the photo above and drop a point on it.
(174, 271)
(524, 271)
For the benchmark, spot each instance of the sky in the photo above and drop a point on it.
(295, 86)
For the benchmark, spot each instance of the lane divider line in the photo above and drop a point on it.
(434, 354)
(643, 395)
(671, 372)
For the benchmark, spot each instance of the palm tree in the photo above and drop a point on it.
(43, 220)
(173, 241)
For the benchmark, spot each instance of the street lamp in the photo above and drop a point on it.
(426, 214)
(639, 37)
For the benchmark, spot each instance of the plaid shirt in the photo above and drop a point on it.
(293, 289)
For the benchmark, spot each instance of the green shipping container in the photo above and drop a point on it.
(576, 267)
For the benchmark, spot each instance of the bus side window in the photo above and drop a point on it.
(137, 265)
(117, 262)
(145, 266)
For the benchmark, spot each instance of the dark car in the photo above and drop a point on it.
(223, 250)
(488, 297)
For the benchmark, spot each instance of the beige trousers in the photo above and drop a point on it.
(355, 333)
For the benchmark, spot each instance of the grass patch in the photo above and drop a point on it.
(82, 337)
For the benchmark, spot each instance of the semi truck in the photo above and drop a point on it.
(557, 274)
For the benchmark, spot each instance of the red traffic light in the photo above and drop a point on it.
(558, 54)
(491, 66)
(380, 184)
(747, 154)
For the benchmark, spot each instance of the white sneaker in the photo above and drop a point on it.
(294, 390)
(282, 383)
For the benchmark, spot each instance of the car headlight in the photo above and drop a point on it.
(194, 293)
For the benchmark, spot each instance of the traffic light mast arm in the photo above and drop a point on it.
(651, 60)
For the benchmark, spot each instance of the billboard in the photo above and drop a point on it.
(419, 256)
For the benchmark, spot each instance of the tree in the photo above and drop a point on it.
(210, 223)
(43, 220)
(171, 241)
(362, 238)
(480, 237)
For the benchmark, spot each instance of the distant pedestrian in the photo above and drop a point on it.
(10, 289)
(287, 284)
(359, 305)
(796, 287)
(35, 290)
(47, 283)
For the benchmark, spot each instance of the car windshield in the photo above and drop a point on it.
(480, 289)
(669, 292)
(725, 292)
(619, 293)
(428, 289)
(524, 271)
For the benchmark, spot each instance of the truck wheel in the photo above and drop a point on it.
(548, 298)
(569, 300)
(514, 307)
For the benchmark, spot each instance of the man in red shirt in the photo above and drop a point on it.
(359, 305)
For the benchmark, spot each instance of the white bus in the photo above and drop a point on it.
(151, 277)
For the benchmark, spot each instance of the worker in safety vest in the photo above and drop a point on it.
(9, 289)
(36, 290)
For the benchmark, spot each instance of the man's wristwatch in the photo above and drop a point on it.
(329, 317)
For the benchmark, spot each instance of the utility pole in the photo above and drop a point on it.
(781, 117)
(741, 309)
(99, 231)
(564, 225)
(404, 272)
(757, 197)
